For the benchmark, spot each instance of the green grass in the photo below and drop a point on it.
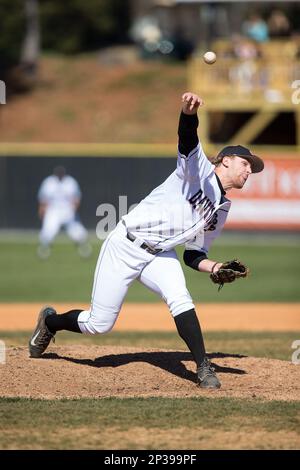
(93, 423)
(275, 345)
(275, 273)
(127, 412)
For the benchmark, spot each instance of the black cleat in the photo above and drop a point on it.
(41, 336)
(206, 375)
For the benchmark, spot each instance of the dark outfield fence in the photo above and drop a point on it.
(102, 180)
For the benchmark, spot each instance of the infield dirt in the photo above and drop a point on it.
(156, 317)
(106, 371)
(81, 371)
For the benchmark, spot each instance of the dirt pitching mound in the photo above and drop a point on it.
(97, 372)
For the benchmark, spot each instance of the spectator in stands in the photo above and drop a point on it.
(244, 48)
(256, 28)
(296, 41)
(279, 24)
(243, 74)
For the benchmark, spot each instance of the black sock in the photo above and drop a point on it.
(189, 330)
(65, 321)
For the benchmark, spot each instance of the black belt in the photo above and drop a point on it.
(144, 245)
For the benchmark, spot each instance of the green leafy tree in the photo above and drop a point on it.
(13, 29)
(72, 26)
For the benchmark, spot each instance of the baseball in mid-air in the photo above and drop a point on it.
(209, 57)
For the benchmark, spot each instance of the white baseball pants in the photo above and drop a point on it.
(55, 219)
(120, 262)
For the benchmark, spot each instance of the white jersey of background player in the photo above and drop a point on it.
(188, 208)
(59, 198)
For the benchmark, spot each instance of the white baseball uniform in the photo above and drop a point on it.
(188, 208)
(60, 196)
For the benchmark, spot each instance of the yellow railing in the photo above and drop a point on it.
(262, 80)
(264, 87)
(234, 79)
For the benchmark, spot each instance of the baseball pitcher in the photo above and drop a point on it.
(190, 207)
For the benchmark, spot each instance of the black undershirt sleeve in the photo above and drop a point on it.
(192, 258)
(188, 140)
(187, 133)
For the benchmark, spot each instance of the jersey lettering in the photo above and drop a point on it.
(203, 205)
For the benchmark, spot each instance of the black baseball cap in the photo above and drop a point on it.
(59, 171)
(256, 163)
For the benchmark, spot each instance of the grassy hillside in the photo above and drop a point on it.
(83, 99)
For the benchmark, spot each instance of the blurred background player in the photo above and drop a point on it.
(59, 198)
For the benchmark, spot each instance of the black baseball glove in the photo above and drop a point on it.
(229, 272)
